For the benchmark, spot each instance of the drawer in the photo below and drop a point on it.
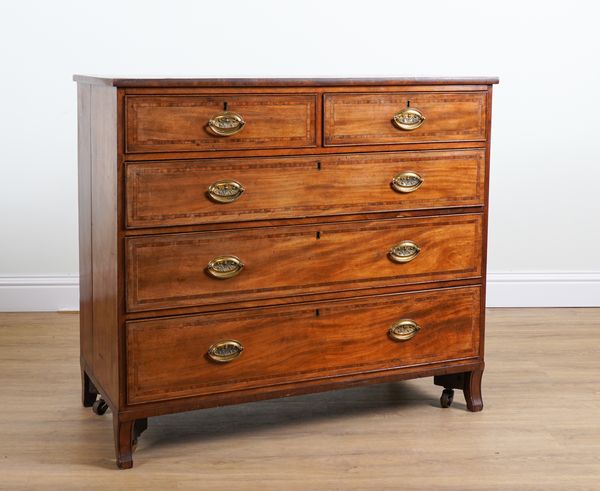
(171, 358)
(182, 270)
(188, 123)
(229, 190)
(369, 119)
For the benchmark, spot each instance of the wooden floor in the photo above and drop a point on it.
(540, 428)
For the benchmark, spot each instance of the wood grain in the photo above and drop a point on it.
(179, 123)
(103, 366)
(285, 152)
(170, 270)
(366, 119)
(166, 82)
(84, 156)
(239, 306)
(314, 226)
(175, 192)
(283, 345)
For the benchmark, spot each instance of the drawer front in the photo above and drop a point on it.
(169, 358)
(182, 270)
(188, 123)
(368, 119)
(228, 190)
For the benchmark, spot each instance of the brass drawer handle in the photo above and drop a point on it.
(403, 330)
(225, 351)
(407, 182)
(226, 123)
(223, 267)
(225, 191)
(404, 252)
(409, 119)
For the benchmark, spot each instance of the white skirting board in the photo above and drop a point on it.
(505, 289)
(39, 293)
(543, 289)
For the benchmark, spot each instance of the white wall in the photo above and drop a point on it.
(545, 191)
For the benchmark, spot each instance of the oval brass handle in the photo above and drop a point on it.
(226, 123)
(225, 351)
(403, 330)
(404, 251)
(407, 182)
(409, 119)
(223, 267)
(225, 191)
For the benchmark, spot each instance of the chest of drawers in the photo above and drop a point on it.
(250, 239)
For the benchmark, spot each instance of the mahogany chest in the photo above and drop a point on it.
(247, 239)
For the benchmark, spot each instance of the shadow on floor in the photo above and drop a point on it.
(217, 423)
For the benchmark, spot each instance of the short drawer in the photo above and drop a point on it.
(232, 190)
(213, 353)
(228, 122)
(389, 118)
(182, 270)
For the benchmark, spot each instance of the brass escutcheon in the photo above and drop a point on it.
(408, 119)
(225, 351)
(226, 123)
(404, 251)
(225, 191)
(407, 182)
(223, 267)
(403, 330)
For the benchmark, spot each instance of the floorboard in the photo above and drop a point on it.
(540, 428)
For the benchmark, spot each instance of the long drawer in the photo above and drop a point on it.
(211, 353)
(409, 117)
(182, 270)
(228, 190)
(219, 122)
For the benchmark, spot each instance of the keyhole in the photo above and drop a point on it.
(225, 106)
(317, 312)
(407, 103)
(318, 235)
